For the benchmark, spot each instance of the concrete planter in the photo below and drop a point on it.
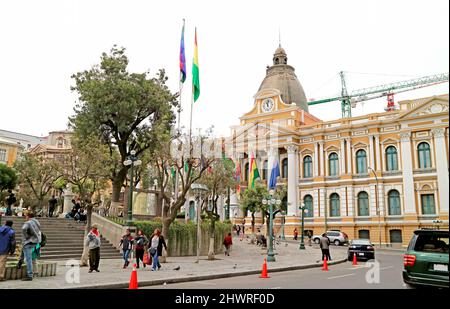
(45, 269)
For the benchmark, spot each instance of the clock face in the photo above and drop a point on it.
(267, 105)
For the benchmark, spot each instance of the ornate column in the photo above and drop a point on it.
(371, 152)
(292, 180)
(349, 156)
(316, 160)
(321, 155)
(441, 168)
(342, 157)
(378, 152)
(408, 180)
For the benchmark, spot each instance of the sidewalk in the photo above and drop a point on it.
(245, 259)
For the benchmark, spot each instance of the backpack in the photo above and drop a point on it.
(43, 239)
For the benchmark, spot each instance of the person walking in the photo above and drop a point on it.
(7, 246)
(309, 238)
(153, 250)
(127, 245)
(325, 247)
(31, 237)
(52, 205)
(10, 200)
(295, 234)
(161, 244)
(140, 242)
(93, 242)
(228, 242)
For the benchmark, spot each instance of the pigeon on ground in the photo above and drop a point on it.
(196, 262)
(177, 268)
(235, 266)
(285, 245)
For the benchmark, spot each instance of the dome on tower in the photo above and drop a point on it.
(281, 76)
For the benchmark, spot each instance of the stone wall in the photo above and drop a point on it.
(45, 269)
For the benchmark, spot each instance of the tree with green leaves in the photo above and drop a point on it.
(38, 174)
(87, 169)
(175, 155)
(127, 111)
(252, 202)
(218, 178)
(8, 177)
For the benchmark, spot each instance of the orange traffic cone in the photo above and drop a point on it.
(133, 280)
(355, 261)
(325, 264)
(264, 270)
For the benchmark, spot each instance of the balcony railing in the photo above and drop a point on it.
(392, 173)
(424, 171)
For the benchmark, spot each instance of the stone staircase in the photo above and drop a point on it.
(64, 239)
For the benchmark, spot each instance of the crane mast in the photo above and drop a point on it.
(349, 100)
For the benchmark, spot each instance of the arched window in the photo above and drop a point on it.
(363, 204)
(428, 207)
(424, 155)
(284, 168)
(307, 167)
(333, 164)
(335, 205)
(394, 202)
(264, 171)
(361, 162)
(308, 200)
(247, 165)
(391, 159)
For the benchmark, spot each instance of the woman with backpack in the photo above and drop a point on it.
(140, 242)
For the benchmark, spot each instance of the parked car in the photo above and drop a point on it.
(363, 248)
(426, 259)
(337, 238)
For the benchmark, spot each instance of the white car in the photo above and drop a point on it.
(337, 238)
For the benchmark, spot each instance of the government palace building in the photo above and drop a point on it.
(378, 173)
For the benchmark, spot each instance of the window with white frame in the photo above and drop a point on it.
(2, 155)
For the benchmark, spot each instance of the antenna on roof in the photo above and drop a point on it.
(279, 36)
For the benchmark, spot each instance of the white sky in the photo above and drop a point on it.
(42, 43)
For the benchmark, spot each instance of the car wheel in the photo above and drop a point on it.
(317, 240)
(337, 242)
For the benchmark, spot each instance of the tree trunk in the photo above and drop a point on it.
(212, 230)
(117, 182)
(85, 256)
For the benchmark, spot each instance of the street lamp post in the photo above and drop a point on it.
(132, 161)
(376, 205)
(271, 201)
(302, 239)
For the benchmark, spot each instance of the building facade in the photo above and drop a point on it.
(377, 176)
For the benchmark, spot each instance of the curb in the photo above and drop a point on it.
(124, 285)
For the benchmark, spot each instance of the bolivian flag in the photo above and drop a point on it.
(195, 72)
(254, 174)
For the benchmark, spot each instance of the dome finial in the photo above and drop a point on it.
(279, 37)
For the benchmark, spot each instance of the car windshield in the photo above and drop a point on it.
(432, 243)
(361, 242)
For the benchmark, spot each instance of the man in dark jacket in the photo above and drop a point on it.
(325, 246)
(7, 245)
(52, 205)
(10, 200)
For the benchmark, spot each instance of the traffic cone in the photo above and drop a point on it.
(325, 264)
(133, 280)
(355, 261)
(264, 270)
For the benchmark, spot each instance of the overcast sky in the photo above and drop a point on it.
(44, 42)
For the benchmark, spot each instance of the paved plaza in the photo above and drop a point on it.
(245, 259)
